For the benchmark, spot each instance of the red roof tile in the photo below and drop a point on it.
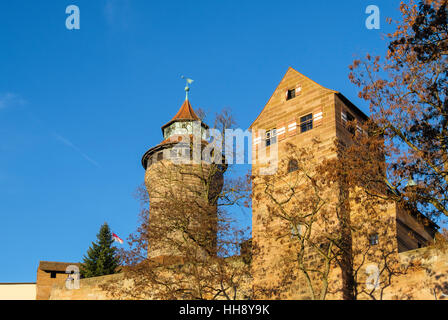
(186, 112)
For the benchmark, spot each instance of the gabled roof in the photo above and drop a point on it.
(340, 95)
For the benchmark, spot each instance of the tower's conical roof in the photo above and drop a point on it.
(185, 113)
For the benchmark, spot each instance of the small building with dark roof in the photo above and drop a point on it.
(50, 274)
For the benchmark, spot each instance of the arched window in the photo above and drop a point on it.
(293, 166)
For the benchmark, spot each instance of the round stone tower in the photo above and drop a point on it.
(183, 190)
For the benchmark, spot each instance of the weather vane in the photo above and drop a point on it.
(187, 88)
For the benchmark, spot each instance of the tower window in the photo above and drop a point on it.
(306, 123)
(293, 166)
(271, 137)
(374, 239)
(160, 156)
(291, 94)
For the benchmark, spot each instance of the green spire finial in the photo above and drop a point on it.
(187, 88)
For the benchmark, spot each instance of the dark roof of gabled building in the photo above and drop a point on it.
(56, 266)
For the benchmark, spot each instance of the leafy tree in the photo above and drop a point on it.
(407, 92)
(101, 258)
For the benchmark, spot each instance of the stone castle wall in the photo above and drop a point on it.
(429, 281)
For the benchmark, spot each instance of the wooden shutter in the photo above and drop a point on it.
(292, 128)
(359, 129)
(318, 116)
(344, 117)
(281, 131)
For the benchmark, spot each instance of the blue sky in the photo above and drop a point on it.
(79, 108)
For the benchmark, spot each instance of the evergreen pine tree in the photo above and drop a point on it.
(101, 258)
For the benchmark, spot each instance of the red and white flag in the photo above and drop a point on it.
(117, 238)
